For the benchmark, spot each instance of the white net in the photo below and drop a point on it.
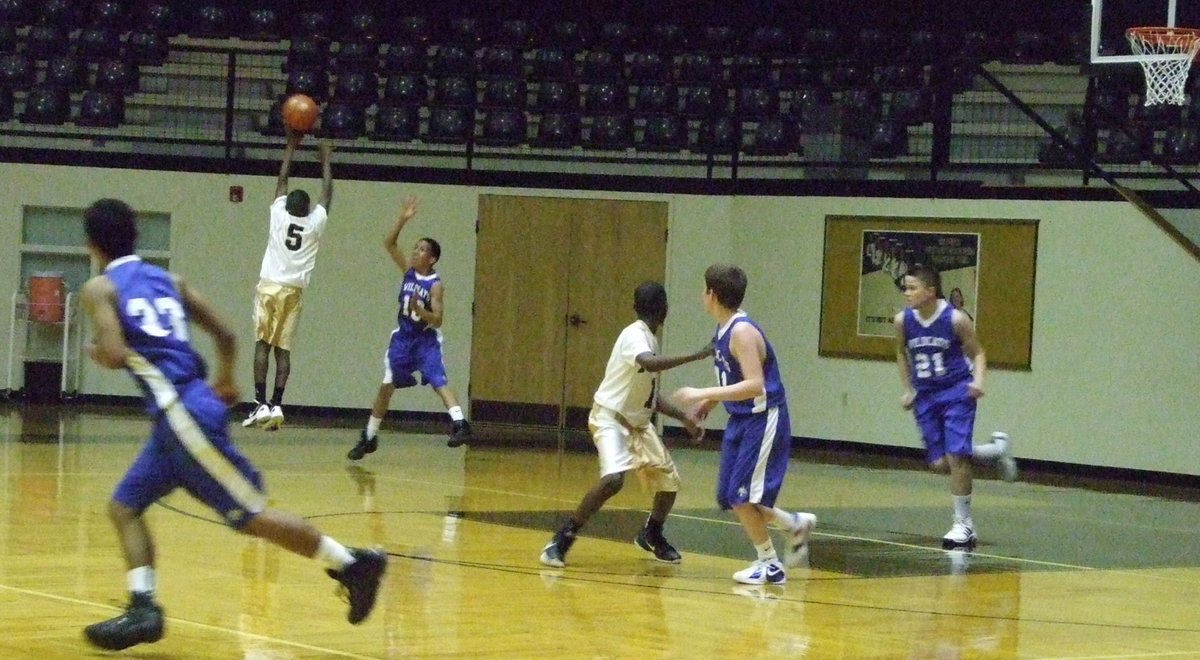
(1169, 53)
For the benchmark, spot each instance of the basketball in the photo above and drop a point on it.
(299, 112)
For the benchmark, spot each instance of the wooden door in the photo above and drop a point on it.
(615, 245)
(554, 282)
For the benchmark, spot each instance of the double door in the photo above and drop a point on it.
(554, 281)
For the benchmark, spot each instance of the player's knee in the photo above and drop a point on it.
(120, 514)
(940, 466)
(613, 483)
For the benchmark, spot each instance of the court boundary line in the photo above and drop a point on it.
(196, 624)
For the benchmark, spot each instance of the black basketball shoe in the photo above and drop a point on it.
(365, 446)
(361, 580)
(460, 434)
(141, 622)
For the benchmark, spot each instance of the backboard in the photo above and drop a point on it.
(1110, 19)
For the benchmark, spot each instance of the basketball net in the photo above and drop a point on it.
(1168, 53)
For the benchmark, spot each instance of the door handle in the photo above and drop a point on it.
(575, 320)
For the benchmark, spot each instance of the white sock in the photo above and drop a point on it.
(140, 579)
(456, 414)
(373, 424)
(785, 520)
(766, 551)
(334, 554)
(990, 451)
(962, 506)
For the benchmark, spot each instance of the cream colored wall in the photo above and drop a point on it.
(1114, 348)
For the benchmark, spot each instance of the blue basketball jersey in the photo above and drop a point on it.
(155, 323)
(935, 353)
(419, 286)
(730, 372)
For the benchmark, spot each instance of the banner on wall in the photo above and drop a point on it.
(888, 255)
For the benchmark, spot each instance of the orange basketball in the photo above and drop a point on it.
(299, 112)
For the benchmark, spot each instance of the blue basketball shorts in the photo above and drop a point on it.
(189, 447)
(754, 457)
(421, 353)
(946, 420)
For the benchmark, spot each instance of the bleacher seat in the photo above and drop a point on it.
(117, 75)
(358, 55)
(504, 92)
(773, 136)
(454, 91)
(16, 71)
(656, 99)
(46, 41)
(47, 105)
(503, 127)
(97, 43)
(500, 61)
(405, 57)
(360, 88)
(451, 125)
(146, 48)
(405, 89)
(718, 135)
(606, 97)
(610, 131)
(263, 24)
(101, 108)
(343, 121)
(312, 25)
(889, 139)
(558, 130)
(66, 71)
(557, 95)
(209, 21)
(666, 132)
(650, 68)
(514, 33)
(397, 123)
(307, 53)
(463, 31)
(361, 26)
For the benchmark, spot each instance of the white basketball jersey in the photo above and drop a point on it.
(292, 244)
(627, 388)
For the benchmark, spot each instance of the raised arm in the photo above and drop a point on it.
(203, 314)
(908, 394)
(285, 165)
(965, 329)
(407, 211)
(107, 346)
(326, 197)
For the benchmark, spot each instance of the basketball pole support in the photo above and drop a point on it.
(1090, 165)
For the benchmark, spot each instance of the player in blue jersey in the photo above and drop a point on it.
(942, 368)
(139, 314)
(416, 343)
(758, 435)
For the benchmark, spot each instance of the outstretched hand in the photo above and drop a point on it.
(409, 208)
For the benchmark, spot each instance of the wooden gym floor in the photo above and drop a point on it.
(1061, 571)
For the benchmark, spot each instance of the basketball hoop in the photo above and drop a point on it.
(1168, 53)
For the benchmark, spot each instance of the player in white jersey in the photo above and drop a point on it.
(623, 430)
(293, 239)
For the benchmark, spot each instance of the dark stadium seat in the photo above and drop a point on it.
(397, 123)
(101, 108)
(503, 127)
(47, 105)
(558, 130)
(450, 124)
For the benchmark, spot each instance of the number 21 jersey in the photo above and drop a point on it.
(935, 354)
